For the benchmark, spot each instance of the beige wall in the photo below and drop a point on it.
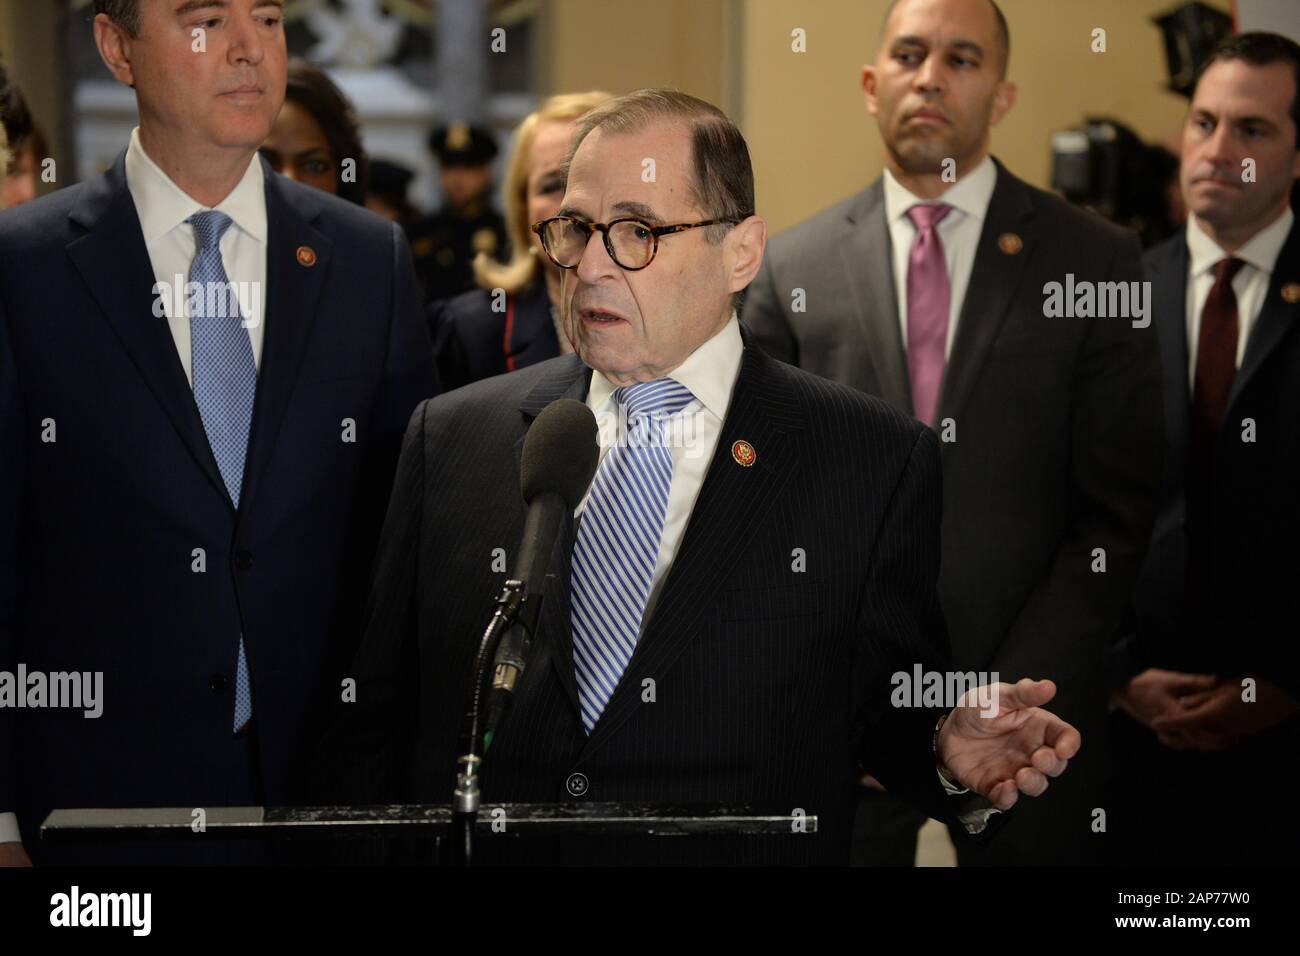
(623, 45)
(810, 136)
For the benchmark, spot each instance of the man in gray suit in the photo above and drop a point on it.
(987, 309)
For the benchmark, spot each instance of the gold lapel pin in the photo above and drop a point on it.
(1010, 243)
(744, 454)
(1291, 292)
(306, 256)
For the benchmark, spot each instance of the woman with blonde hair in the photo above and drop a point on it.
(511, 320)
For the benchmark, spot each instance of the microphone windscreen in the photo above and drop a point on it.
(560, 452)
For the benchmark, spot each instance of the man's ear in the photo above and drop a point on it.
(745, 242)
(114, 49)
(869, 87)
(1003, 100)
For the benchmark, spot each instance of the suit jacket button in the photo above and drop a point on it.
(243, 560)
(217, 683)
(576, 784)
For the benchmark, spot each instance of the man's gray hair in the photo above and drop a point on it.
(723, 178)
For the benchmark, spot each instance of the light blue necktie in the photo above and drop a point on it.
(618, 542)
(225, 383)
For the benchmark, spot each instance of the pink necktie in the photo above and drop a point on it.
(927, 309)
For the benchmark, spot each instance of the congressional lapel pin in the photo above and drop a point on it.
(743, 452)
(1010, 243)
(306, 256)
(1291, 292)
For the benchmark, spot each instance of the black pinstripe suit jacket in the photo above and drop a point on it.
(771, 685)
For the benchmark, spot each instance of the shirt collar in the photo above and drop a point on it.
(162, 205)
(970, 195)
(709, 372)
(1261, 251)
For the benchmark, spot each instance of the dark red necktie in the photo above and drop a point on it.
(1216, 365)
(1216, 359)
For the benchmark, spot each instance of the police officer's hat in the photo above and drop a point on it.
(460, 144)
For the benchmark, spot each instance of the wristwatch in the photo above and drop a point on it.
(950, 786)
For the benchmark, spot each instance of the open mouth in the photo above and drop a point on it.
(600, 317)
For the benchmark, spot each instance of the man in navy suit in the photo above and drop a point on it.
(1207, 698)
(192, 483)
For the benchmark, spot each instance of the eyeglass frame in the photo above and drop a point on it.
(605, 227)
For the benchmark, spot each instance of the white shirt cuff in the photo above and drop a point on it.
(9, 828)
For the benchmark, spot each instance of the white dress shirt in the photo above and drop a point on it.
(163, 207)
(959, 232)
(692, 434)
(1250, 283)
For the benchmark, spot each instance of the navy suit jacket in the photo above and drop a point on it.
(120, 549)
(1243, 621)
(472, 342)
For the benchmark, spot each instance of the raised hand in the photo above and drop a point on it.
(1002, 754)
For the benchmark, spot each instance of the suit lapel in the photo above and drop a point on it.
(568, 379)
(292, 299)
(995, 276)
(732, 505)
(1275, 318)
(868, 261)
(114, 262)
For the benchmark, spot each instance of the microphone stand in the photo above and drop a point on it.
(512, 607)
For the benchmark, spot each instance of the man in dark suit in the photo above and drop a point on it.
(928, 290)
(192, 485)
(724, 613)
(1207, 684)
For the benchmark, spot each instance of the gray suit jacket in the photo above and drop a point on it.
(1055, 446)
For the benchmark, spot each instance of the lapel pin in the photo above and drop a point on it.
(743, 452)
(1010, 243)
(1291, 292)
(306, 256)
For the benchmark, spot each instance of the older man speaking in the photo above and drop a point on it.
(725, 612)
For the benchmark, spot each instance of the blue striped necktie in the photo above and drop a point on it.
(618, 542)
(225, 383)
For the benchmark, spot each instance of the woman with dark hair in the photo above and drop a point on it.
(316, 139)
(17, 134)
(510, 321)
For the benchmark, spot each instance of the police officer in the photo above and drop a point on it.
(444, 245)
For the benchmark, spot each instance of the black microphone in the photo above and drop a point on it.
(559, 460)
